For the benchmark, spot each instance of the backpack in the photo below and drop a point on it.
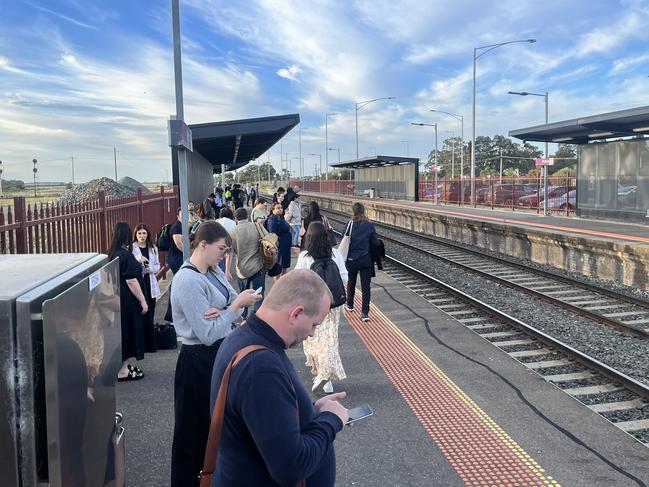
(268, 248)
(163, 238)
(327, 269)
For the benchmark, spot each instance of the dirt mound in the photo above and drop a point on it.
(90, 191)
(133, 184)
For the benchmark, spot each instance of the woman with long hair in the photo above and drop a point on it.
(146, 253)
(204, 307)
(313, 215)
(362, 236)
(136, 339)
(321, 350)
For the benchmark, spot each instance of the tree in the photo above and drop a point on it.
(565, 158)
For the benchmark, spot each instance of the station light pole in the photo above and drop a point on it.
(0, 178)
(461, 119)
(337, 149)
(436, 166)
(476, 56)
(361, 104)
(319, 168)
(327, 115)
(545, 96)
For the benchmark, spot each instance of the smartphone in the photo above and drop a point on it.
(259, 290)
(358, 413)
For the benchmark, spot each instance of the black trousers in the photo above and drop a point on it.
(192, 412)
(364, 267)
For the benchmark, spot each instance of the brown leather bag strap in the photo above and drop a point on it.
(216, 426)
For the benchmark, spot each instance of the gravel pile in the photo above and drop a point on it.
(133, 184)
(90, 191)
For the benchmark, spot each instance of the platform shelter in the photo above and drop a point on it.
(613, 161)
(227, 146)
(388, 177)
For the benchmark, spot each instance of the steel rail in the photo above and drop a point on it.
(522, 288)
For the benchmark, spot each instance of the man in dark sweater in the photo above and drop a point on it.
(265, 440)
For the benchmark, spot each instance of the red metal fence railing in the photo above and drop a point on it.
(80, 227)
(513, 193)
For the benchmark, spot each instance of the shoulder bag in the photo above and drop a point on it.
(343, 246)
(216, 426)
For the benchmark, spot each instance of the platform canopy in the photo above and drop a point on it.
(237, 142)
(376, 161)
(623, 123)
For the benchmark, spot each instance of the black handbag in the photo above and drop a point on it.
(276, 270)
(165, 335)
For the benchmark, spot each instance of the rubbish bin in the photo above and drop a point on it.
(372, 192)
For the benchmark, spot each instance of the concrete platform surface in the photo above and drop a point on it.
(553, 438)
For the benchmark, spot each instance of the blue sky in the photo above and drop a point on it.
(80, 77)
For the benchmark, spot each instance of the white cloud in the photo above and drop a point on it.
(628, 62)
(290, 73)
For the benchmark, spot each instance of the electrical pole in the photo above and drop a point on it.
(72, 159)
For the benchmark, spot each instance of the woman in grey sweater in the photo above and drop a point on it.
(204, 307)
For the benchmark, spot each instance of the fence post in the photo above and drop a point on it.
(140, 206)
(103, 222)
(20, 216)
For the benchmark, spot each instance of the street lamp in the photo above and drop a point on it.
(488, 48)
(545, 168)
(0, 178)
(461, 119)
(361, 104)
(319, 168)
(436, 166)
(338, 149)
(34, 161)
(327, 115)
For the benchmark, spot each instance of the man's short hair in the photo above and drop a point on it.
(211, 195)
(241, 214)
(298, 287)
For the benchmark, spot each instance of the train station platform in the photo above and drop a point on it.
(615, 251)
(449, 410)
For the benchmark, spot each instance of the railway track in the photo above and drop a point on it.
(624, 312)
(619, 398)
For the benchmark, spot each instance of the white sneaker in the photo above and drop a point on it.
(328, 387)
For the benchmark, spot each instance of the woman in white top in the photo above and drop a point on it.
(146, 253)
(293, 216)
(321, 350)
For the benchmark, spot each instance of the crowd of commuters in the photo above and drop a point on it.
(219, 287)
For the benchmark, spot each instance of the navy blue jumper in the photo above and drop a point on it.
(261, 443)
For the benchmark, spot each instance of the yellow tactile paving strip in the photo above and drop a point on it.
(477, 448)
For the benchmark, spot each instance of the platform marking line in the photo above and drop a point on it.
(477, 448)
(468, 216)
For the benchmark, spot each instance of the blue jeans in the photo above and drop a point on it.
(295, 234)
(257, 280)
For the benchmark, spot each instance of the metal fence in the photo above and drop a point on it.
(80, 227)
(513, 193)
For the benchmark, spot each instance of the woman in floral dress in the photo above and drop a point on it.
(321, 350)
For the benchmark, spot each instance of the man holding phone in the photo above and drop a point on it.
(272, 434)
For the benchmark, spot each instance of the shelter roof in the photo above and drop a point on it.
(237, 142)
(623, 123)
(376, 161)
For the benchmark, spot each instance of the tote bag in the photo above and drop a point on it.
(343, 246)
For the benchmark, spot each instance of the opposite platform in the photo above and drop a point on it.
(608, 250)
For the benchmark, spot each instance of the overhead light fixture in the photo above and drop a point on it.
(600, 134)
(562, 139)
(641, 129)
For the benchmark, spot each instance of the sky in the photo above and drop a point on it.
(79, 78)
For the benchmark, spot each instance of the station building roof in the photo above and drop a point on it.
(376, 161)
(237, 142)
(623, 123)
